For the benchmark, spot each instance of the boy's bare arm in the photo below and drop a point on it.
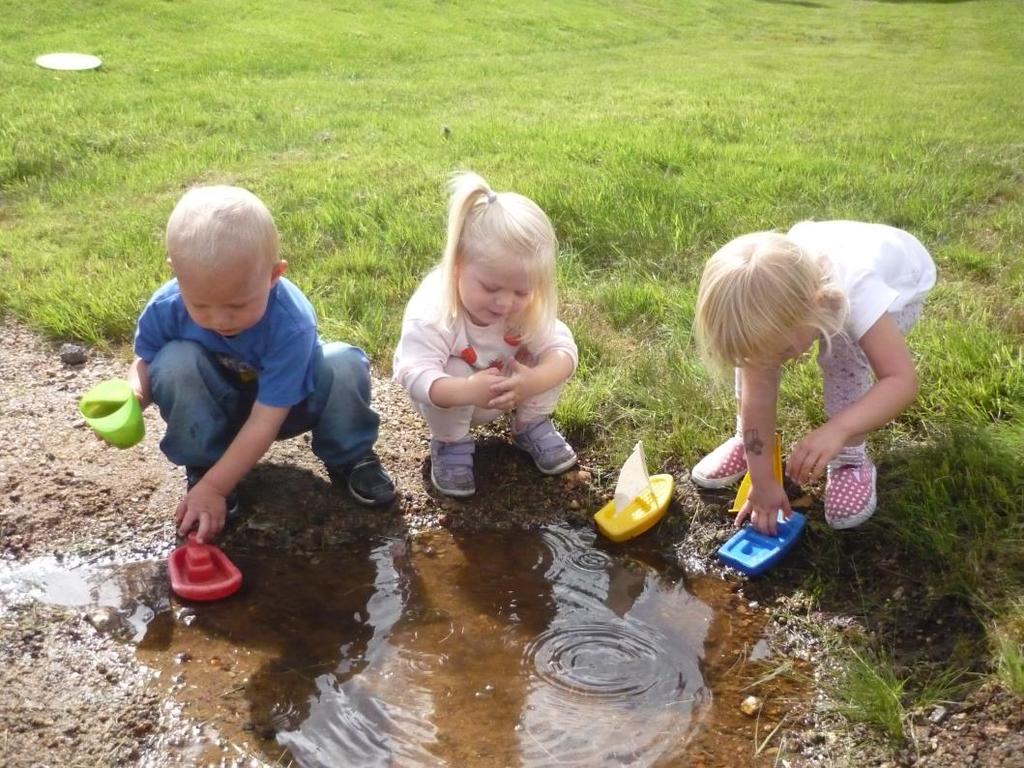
(256, 436)
(138, 379)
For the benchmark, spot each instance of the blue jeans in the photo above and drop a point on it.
(205, 405)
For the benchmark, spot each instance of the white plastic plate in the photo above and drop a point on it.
(68, 61)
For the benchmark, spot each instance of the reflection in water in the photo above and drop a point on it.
(616, 675)
(373, 718)
(447, 649)
(487, 652)
(134, 591)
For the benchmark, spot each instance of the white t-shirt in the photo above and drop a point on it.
(879, 268)
(426, 344)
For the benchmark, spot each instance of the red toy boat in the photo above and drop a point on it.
(202, 572)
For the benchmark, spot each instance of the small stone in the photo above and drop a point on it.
(73, 354)
(103, 619)
(583, 476)
(937, 715)
(751, 705)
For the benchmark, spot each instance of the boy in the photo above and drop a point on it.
(229, 352)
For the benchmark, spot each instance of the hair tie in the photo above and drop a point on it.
(492, 196)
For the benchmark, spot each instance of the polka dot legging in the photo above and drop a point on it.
(845, 368)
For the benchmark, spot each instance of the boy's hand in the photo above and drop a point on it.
(480, 384)
(812, 454)
(510, 391)
(762, 507)
(205, 507)
(139, 381)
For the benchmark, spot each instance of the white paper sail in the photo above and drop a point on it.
(633, 478)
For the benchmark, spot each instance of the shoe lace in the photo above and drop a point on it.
(850, 456)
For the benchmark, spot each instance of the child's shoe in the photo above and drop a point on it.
(366, 480)
(850, 491)
(723, 466)
(192, 477)
(549, 450)
(451, 466)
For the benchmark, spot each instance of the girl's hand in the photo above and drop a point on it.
(480, 385)
(762, 507)
(205, 507)
(510, 391)
(811, 455)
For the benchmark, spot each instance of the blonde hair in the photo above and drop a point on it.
(218, 226)
(488, 227)
(758, 288)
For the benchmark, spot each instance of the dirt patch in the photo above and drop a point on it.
(64, 493)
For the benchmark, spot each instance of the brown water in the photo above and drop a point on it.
(495, 649)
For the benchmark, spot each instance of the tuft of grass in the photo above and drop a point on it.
(869, 691)
(1007, 637)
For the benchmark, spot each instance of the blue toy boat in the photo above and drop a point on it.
(754, 553)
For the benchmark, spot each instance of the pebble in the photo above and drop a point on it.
(103, 619)
(73, 354)
(751, 705)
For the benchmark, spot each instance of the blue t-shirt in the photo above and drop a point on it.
(279, 351)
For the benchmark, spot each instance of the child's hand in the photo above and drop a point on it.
(139, 381)
(511, 390)
(811, 455)
(480, 384)
(205, 507)
(762, 507)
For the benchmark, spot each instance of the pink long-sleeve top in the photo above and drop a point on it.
(427, 344)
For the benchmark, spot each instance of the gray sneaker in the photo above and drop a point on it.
(550, 452)
(451, 466)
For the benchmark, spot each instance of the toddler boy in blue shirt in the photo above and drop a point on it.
(229, 352)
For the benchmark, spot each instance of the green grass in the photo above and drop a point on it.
(652, 132)
(871, 692)
(1008, 641)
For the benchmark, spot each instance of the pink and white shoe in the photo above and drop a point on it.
(850, 497)
(723, 466)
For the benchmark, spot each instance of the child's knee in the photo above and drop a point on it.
(177, 362)
(346, 363)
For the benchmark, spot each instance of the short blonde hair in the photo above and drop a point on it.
(217, 226)
(488, 227)
(758, 288)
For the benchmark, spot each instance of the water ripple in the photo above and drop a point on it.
(615, 661)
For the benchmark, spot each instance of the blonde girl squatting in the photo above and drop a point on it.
(481, 338)
(765, 298)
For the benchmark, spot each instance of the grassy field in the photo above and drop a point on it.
(652, 132)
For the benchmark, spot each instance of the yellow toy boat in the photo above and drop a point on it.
(744, 491)
(640, 500)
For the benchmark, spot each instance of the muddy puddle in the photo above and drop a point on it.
(486, 649)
